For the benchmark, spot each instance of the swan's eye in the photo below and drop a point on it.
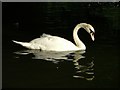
(91, 32)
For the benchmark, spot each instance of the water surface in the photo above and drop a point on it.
(97, 67)
(33, 68)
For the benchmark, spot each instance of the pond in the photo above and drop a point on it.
(96, 67)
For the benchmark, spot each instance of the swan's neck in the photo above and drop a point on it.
(78, 42)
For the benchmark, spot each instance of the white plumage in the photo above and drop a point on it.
(55, 43)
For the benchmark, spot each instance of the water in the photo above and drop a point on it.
(35, 69)
(97, 67)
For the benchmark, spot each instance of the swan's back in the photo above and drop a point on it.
(53, 43)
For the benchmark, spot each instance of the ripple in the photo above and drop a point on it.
(84, 68)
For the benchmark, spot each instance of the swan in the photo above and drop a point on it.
(54, 43)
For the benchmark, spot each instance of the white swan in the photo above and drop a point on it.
(55, 43)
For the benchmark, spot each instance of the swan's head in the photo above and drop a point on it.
(89, 29)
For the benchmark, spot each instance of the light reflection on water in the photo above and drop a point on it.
(83, 69)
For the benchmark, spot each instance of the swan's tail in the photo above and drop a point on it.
(24, 44)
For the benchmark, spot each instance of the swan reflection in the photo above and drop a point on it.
(82, 68)
(53, 55)
(84, 71)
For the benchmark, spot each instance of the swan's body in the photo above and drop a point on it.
(55, 43)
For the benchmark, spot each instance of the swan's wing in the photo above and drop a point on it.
(55, 43)
(45, 35)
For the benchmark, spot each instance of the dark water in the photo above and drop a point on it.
(97, 67)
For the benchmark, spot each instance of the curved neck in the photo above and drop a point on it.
(78, 42)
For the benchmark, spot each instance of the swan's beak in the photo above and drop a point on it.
(92, 36)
